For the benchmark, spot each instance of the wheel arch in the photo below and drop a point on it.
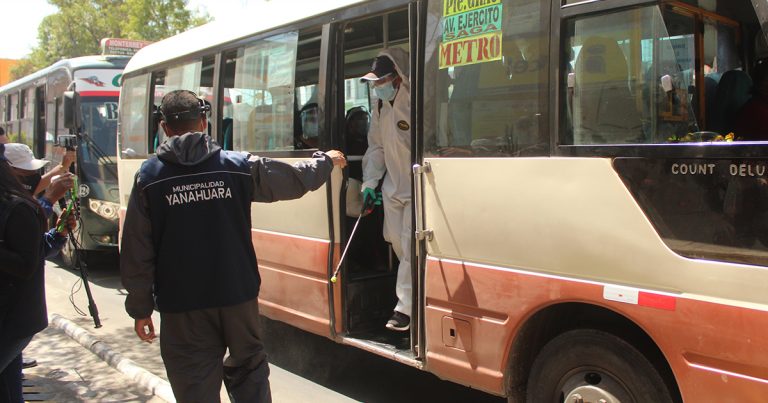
(554, 320)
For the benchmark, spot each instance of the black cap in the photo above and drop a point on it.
(382, 67)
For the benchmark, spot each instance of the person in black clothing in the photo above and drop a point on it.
(23, 249)
(186, 247)
(46, 188)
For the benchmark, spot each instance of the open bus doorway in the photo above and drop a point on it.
(370, 266)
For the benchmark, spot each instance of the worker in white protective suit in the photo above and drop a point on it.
(389, 151)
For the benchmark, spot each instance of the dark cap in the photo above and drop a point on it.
(382, 67)
(179, 105)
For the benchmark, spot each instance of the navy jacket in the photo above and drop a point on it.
(22, 270)
(186, 242)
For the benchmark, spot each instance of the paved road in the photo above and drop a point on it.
(303, 365)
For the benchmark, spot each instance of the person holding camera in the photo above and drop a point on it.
(23, 248)
(53, 185)
(187, 247)
(59, 176)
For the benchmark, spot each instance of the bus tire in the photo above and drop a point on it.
(596, 365)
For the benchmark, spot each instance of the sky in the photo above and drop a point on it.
(20, 22)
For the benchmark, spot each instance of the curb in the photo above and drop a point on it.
(143, 378)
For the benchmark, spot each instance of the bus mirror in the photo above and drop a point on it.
(71, 106)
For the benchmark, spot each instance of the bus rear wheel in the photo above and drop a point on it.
(588, 365)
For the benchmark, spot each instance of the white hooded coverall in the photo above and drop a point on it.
(389, 150)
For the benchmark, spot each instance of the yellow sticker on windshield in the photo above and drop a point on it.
(476, 49)
(451, 7)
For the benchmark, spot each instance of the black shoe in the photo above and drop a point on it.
(28, 363)
(399, 321)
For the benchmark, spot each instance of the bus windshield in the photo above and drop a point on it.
(100, 125)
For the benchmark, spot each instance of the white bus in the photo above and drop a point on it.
(590, 185)
(31, 111)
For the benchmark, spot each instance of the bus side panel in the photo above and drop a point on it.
(292, 241)
(568, 218)
(486, 306)
(125, 178)
(294, 280)
(307, 216)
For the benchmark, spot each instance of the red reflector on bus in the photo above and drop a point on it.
(656, 301)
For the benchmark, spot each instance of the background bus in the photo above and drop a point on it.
(31, 113)
(585, 222)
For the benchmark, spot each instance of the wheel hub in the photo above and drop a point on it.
(590, 394)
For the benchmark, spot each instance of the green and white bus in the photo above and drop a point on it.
(31, 111)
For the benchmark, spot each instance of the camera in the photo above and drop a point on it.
(68, 141)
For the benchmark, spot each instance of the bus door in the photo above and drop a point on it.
(369, 272)
(272, 96)
(482, 132)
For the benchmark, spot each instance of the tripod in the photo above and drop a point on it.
(70, 144)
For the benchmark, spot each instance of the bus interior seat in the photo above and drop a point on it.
(604, 109)
(731, 94)
(710, 94)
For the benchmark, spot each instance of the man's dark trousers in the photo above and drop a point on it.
(193, 345)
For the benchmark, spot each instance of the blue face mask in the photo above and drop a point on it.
(385, 92)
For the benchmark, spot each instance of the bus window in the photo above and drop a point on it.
(720, 56)
(13, 118)
(28, 125)
(629, 81)
(26, 105)
(487, 101)
(100, 125)
(133, 122)
(196, 76)
(259, 81)
(3, 116)
(307, 123)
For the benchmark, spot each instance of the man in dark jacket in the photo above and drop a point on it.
(186, 247)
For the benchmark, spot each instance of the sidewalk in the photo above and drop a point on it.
(68, 372)
(78, 365)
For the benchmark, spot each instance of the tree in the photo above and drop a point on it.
(79, 25)
(153, 20)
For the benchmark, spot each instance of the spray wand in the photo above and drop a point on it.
(349, 242)
(368, 205)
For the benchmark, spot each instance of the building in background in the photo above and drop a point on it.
(5, 70)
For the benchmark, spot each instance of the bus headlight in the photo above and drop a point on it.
(103, 208)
